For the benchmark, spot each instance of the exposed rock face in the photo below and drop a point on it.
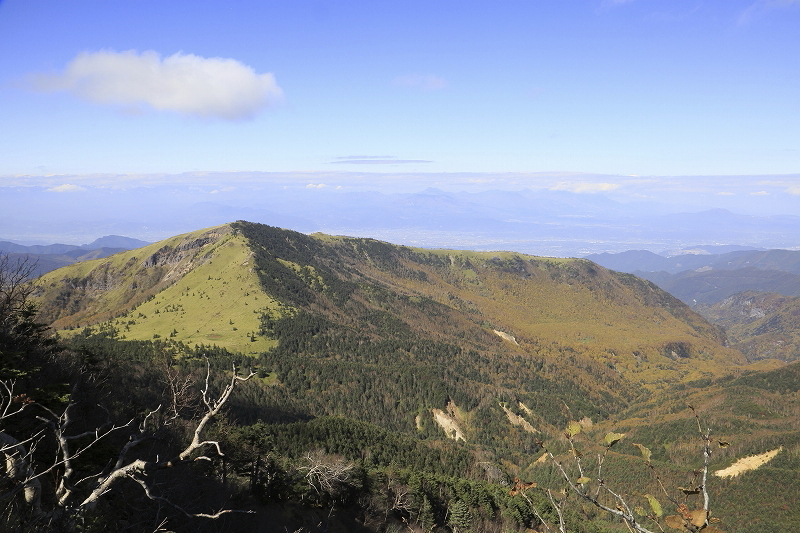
(169, 256)
(101, 279)
(517, 420)
(505, 336)
(448, 424)
(750, 462)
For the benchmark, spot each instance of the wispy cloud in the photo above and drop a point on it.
(376, 160)
(184, 83)
(726, 193)
(425, 82)
(584, 187)
(316, 186)
(761, 6)
(610, 4)
(66, 187)
(794, 190)
(365, 157)
(759, 193)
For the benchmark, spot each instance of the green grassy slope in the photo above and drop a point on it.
(618, 319)
(197, 288)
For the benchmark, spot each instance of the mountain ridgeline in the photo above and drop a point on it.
(450, 362)
(384, 334)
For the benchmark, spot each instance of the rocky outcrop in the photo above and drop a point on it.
(170, 256)
(448, 424)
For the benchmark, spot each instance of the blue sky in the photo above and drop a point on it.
(607, 87)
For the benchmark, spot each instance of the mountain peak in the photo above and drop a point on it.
(115, 241)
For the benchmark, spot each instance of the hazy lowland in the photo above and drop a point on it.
(399, 387)
(553, 214)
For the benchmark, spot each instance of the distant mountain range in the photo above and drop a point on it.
(753, 294)
(710, 278)
(109, 241)
(53, 256)
(544, 222)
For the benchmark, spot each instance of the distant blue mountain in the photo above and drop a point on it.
(636, 261)
(115, 241)
(52, 256)
(710, 278)
(109, 241)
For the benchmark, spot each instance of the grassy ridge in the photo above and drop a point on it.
(212, 285)
(626, 323)
(197, 288)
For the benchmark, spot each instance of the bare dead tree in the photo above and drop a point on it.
(15, 286)
(180, 393)
(21, 336)
(74, 496)
(326, 475)
(17, 453)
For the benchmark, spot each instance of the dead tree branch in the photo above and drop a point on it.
(326, 475)
(69, 501)
(581, 485)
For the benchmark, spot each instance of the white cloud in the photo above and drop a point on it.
(794, 190)
(584, 187)
(184, 83)
(759, 193)
(427, 82)
(726, 193)
(66, 187)
(315, 186)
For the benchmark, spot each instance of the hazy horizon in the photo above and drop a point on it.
(563, 214)
(147, 119)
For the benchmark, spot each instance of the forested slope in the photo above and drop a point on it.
(406, 362)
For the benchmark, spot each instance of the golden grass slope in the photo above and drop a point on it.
(627, 323)
(199, 288)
